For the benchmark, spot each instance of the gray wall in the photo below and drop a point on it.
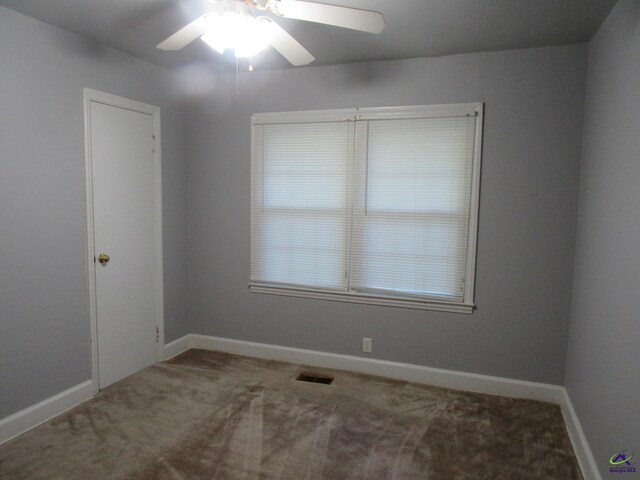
(532, 137)
(602, 375)
(44, 314)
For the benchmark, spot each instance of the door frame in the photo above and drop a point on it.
(90, 96)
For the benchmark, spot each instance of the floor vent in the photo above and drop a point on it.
(314, 378)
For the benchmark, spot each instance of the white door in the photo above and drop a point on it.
(126, 249)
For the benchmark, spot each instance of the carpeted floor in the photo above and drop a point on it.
(208, 415)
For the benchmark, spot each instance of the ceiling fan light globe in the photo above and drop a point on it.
(255, 38)
(215, 41)
(216, 34)
(239, 31)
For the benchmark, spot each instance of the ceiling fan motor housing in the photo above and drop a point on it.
(232, 24)
(261, 4)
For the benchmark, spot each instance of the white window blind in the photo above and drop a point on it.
(300, 207)
(411, 213)
(369, 205)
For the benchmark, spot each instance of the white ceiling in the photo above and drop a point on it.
(415, 28)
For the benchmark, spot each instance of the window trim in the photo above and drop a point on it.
(476, 109)
(351, 297)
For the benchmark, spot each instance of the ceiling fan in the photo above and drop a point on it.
(231, 24)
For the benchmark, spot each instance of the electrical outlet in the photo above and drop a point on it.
(367, 344)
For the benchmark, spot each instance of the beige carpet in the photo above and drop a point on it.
(208, 415)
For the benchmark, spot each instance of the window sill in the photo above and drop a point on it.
(364, 298)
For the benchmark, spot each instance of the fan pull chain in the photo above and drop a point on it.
(237, 75)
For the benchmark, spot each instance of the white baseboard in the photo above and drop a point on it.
(471, 382)
(31, 417)
(177, 347)
(581, 447)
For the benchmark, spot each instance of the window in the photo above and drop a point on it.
(375, 205)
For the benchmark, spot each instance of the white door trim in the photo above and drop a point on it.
(115, 101)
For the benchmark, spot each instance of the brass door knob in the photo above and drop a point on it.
(104, 258)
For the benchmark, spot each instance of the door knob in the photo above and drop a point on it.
(104, 258)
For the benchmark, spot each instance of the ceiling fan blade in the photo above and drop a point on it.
(186, 35)
(353, 18)
(289, 47)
